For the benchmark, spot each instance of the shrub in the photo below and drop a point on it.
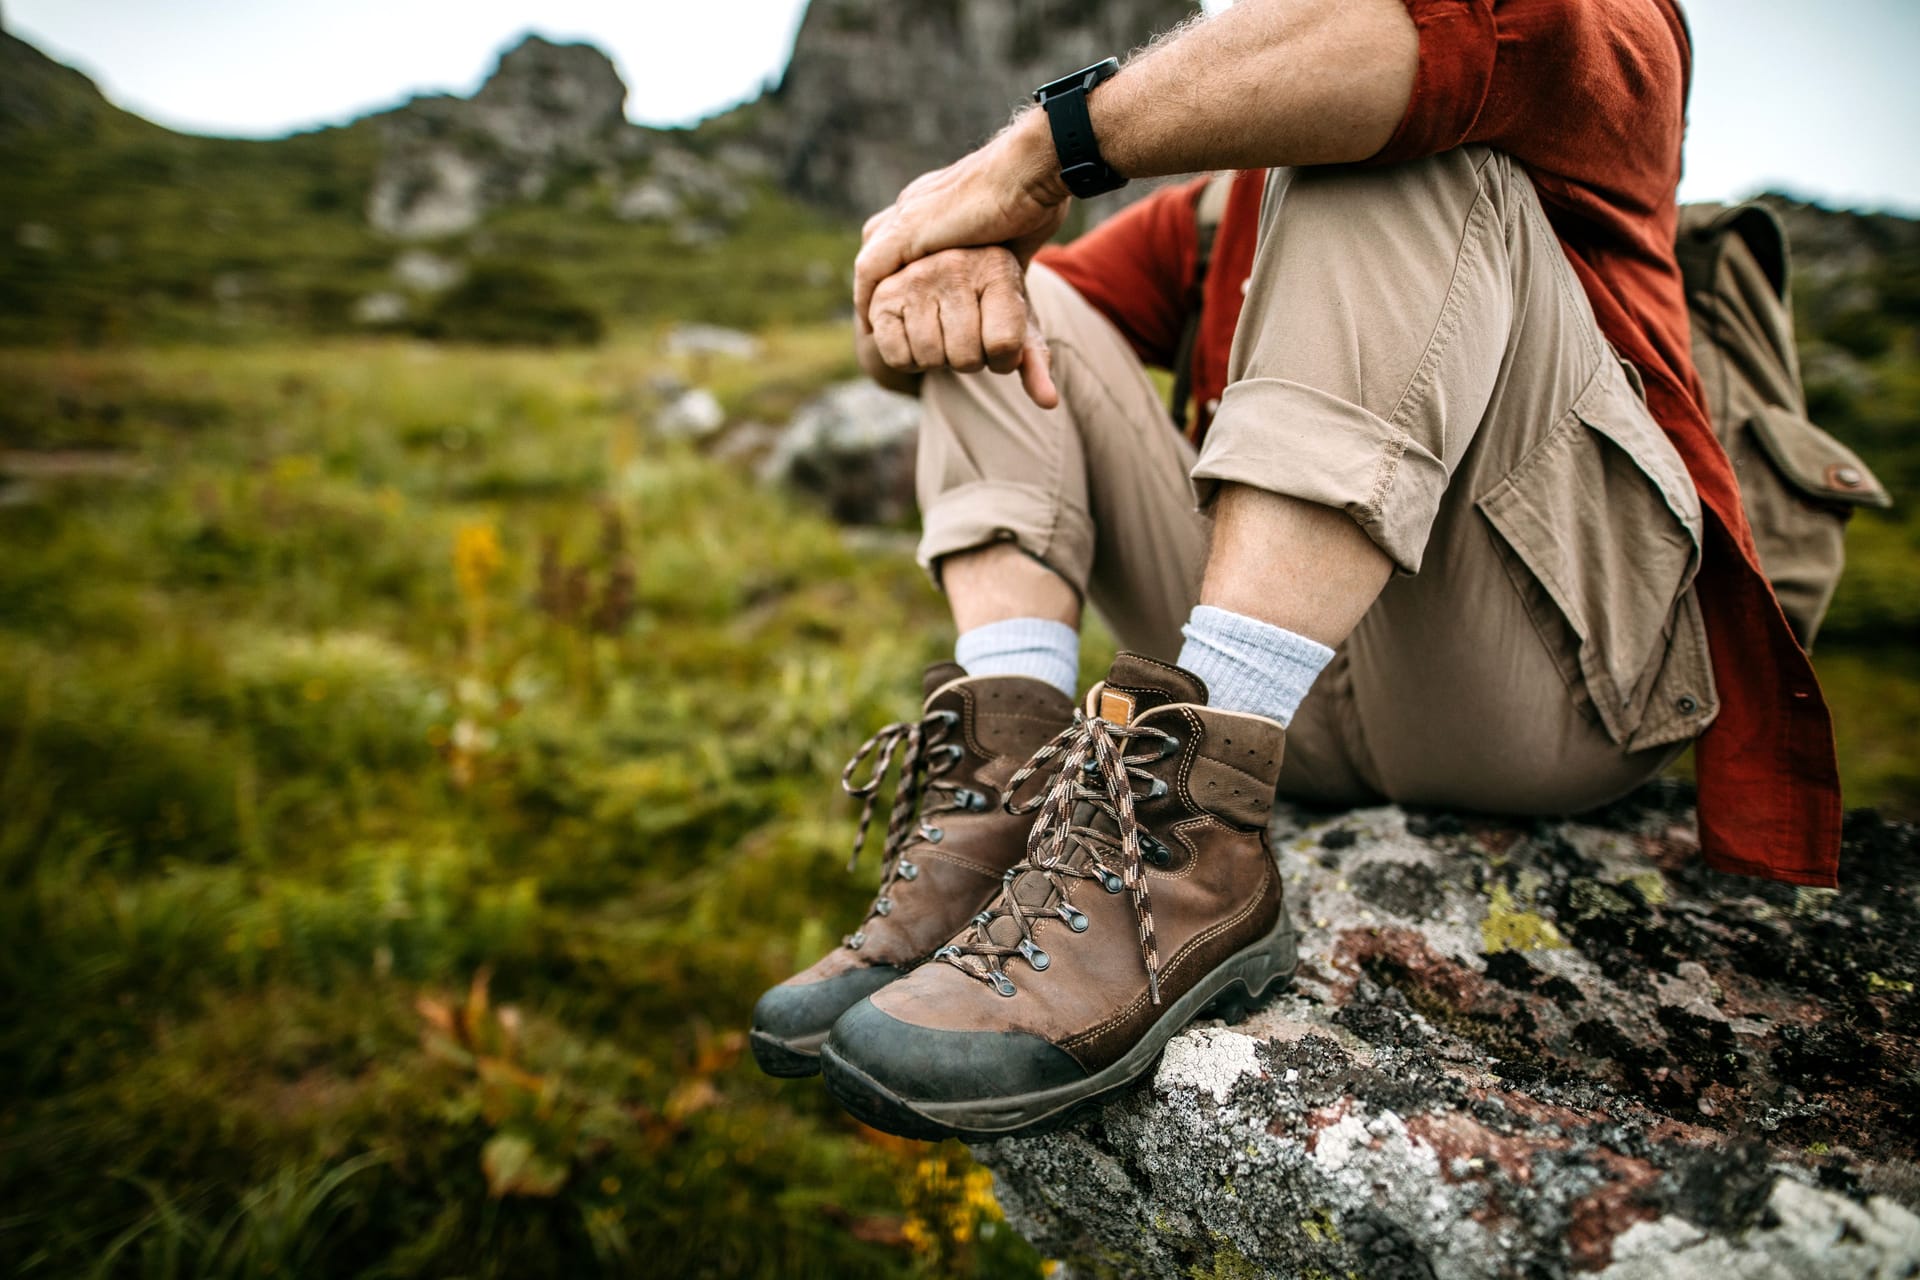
(512, 304)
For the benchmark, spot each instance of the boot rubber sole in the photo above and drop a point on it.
(1231, 990)
(788, 1059)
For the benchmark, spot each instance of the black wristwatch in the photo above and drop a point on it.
(1065, 102)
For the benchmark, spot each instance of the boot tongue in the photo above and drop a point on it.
(938, 674)
(1136, 685)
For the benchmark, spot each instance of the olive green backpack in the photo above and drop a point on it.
(1798, 484)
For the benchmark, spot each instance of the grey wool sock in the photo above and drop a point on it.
(1250, 665)
(1037, 647)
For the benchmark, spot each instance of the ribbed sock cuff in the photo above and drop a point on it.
(1250, 665)
(1037, 647)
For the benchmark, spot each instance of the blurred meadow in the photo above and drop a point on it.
(413, 763)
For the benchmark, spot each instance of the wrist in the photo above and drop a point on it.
(1036, 163)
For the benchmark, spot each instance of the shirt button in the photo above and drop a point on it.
(1213, 406)
(1686, 704)
(1246, 285)
(1847, 476)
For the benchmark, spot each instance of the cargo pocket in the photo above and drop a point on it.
(1599, 530)
(1799, 487)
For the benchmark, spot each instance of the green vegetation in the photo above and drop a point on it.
(409, 775)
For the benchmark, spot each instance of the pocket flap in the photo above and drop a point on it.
(1813, 462)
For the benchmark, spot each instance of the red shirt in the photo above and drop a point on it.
(1589, 96)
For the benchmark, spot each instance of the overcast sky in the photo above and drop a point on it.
(1821, 98)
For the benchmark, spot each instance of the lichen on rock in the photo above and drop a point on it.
(1534, 1048)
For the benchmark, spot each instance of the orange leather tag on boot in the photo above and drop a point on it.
(1116, 707)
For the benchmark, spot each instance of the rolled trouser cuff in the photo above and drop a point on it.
(990, 511)
(1299, 442)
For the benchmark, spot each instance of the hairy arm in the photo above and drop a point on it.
(1266, 83)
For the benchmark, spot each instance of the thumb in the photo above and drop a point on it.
(1036, 370)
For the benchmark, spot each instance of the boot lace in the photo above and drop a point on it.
(1087, 830)
(923, 753)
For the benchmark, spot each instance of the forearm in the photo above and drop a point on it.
(1262, 84)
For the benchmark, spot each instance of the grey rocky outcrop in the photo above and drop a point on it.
(445, 160)
(852, 448)
(1539, 1049)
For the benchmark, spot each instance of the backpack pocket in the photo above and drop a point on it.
(1799, 487)
(1599, 530)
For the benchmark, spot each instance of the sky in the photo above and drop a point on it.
(1822, 99)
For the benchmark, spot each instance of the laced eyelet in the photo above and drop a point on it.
(1075, 918)
(1154, 852)
(856, 940)
(1035, 956)
(933, 835)
(945, 953)
(948, 718)
(908, 871)
(1170, 745)
(1001, 982)
(952, 752)
(883, 906)
(983, 918)
(1158, 789)
(972, 801)
(1111, 882)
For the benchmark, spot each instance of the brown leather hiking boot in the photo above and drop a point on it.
(949, 843)
(1148, 893)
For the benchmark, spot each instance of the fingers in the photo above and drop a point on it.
(965, 310)
(960, 322)
(878, 258)
(1036, 369)
(1003, 324)
(924, 335)
(890, 334)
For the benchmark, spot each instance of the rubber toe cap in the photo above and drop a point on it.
(929, 1064)
(791, 1011)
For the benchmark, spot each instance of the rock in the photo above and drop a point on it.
(878, 93)
(445, 161)
(852, 447)
(692, 414)
(647, 201)
(425, 272)
(380, 309)
(1527, 1049)
(710, 340)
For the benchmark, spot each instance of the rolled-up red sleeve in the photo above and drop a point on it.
(1589, 95)
(1137, 268)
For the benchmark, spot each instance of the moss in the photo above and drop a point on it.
(1227, 1263)
(1508, 929)
(1320, 1228)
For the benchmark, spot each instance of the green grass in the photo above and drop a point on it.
(374, 908)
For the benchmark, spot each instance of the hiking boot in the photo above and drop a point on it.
(948, 845)
(1149, 892)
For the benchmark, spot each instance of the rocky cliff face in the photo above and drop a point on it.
(1527, 1050)
(879, 93)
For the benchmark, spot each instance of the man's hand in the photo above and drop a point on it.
(960, 309)
(1007, 193)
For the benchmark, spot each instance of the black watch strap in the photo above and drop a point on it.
(1065, 102)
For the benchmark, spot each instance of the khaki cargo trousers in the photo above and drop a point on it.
(1415, 351)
